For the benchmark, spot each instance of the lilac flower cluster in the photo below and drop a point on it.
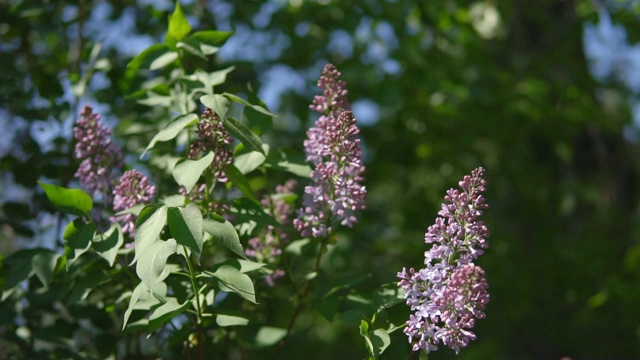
(267, 248)
(132, 190)
(334, 152)
(450, 293)
(213, 136)
(100, 157)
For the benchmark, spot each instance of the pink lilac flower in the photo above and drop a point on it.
(450, 292)
(267, 247)
(212, 136)
(133, 189)
(333, 149)
(101, 159)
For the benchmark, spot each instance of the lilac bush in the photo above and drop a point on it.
(333, 149)
(212, 136)
(133, 189)
(101, 159)
(267, 247)
(450, 292)
(211, 236)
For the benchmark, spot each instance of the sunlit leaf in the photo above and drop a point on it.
(71, 201)
(211, 37)
(178, 26)
(244, 266)
(185, 224)
(163, 60)
(148, 56)
(143, 299)
(218, 103)
(380, 340)
(242, 132)
(108, 244)
(223, 232)
(248, 162)
(172, 129)
(228, 320)
(165, 312)
(149, 225)
(187, 172)
(246, 103)
(268, 336)
(232, 280)
(151, 263)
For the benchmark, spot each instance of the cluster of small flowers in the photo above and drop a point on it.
(268, 247)
(101, 159)
(132, 190)
(334, 151)
(212, 137)
(450, 293)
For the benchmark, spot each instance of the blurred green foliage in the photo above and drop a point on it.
(512, 94)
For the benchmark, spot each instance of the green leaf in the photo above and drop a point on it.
(268, 336)
(211, 37)
(197, 48)
(185, 225)
(244, 266)
(24, 264)
(364, 331)
(217, 77)
(108, 244)
(248, 162)
(232, 280)
(380, 340)
(242, 101)
(228, 320)
(187, 172)
(218, 103)
(148, 59)
(296, 248)
(173, 200)
(163, 60)
(387, 296)
(223, 231)
(242, 132)
(44, 264)
(71, 201)
(170, 309)
(294, 164)
(178, 26)
(143, 299)
(134, 210)
(149, 225)
(238, 179)
(247, 211)
(151, 264)
(78, 236)
(172, 130)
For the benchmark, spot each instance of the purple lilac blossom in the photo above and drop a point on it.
(132, 190)
(267, 247)
(100, 157)
(450, 293)
(333, 149)
(212, 136)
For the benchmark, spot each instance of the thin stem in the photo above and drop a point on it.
(196, 294)
(302, 298)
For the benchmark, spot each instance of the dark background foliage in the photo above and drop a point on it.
(562, 159)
